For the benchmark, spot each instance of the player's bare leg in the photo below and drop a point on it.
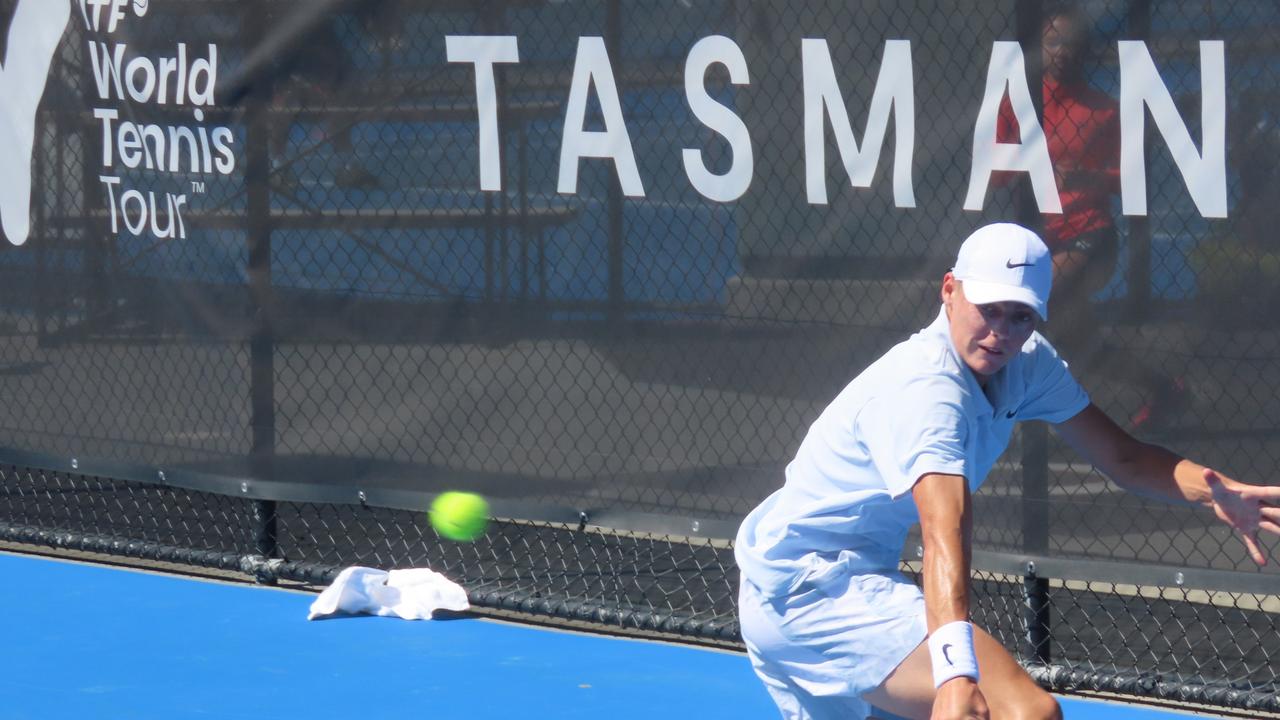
(1009, 691)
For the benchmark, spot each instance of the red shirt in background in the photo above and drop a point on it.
(1082, 127)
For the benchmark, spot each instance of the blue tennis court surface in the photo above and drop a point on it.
(91, 642)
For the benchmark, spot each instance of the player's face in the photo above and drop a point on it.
(986, 336)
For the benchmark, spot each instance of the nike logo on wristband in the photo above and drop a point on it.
(1011, 264)
(957, 636)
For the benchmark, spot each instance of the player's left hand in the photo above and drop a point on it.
(1246, 508)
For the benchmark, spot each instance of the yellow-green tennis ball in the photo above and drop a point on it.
(460, 516)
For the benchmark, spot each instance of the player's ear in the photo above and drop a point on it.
(948, 289)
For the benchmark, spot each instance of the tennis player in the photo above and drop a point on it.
(830, 624)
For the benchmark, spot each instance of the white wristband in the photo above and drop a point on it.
(951, 650)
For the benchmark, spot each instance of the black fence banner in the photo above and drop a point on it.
(288, 269)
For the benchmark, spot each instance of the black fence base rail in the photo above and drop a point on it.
(1058, 678)
(263, 570)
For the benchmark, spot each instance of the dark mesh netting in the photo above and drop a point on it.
(294, 268)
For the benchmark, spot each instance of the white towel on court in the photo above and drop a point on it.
(413, 594)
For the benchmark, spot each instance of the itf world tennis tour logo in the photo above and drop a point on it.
(33, 37)
(118, 77)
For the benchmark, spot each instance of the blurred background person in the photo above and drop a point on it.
(1082, 129)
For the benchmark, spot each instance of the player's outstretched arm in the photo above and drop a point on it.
(1154, 471)
(946, 526)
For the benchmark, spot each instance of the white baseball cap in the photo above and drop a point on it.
(1005, 262)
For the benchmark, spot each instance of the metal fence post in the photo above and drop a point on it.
(262, 333)
(1035, 541)
(617, 291)
(1034, 436)
(1138, 278)
(1037, 647)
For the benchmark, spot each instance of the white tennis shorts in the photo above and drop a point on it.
(818, 650)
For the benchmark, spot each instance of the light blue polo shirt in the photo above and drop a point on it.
(846, 505)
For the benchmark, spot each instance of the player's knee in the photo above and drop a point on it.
(1041, 706)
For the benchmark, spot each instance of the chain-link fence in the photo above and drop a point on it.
(295, 267)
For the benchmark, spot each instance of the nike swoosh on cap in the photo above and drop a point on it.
(1011, 264)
